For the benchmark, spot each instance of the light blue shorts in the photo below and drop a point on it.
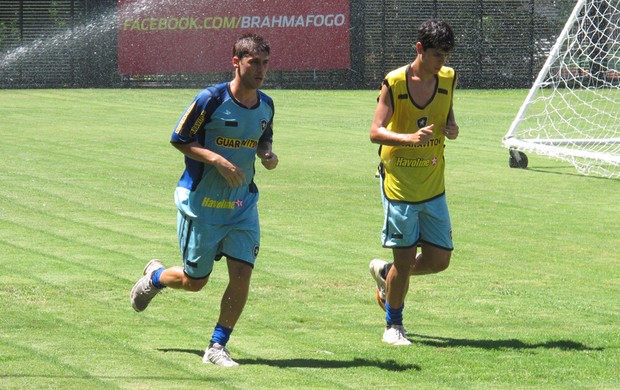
(410, 224)
(202, 244)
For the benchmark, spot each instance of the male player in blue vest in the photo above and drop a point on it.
(413, 117)
(221, 133)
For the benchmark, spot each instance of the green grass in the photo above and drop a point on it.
(530, 300)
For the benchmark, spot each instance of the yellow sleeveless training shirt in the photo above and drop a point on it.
(415, 173)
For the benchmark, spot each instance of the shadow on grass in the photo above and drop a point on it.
(447, 342)
(388, 365)
(568, 170)
(198, 352)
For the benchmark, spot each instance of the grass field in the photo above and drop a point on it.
(531, 300)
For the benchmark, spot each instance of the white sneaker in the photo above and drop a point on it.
(396, 335)
(144, 290)
(376, 265)
(218, 355)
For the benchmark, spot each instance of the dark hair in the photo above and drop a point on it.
(248, 44)
(436, 34)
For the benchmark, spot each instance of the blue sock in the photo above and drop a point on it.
(221, 335)
(155, 278)
(393, 316)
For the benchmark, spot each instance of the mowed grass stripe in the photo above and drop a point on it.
(92, 207)
(84, 233)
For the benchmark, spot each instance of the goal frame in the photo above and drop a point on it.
(553, 147)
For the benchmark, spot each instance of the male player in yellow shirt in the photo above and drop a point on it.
(412, 119)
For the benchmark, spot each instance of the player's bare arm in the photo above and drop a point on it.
(452, 129)
(379, 134)
(267, 157)
(233, 174)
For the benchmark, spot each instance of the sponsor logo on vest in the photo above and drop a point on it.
(415, 162)
(234, 143)
(221, 204)
(431, 142)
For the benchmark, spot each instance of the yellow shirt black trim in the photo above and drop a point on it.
(415, 173)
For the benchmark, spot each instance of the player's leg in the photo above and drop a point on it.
(397, 282)
(401, 234)
(400, 230)
(198, 254)
(156, 278)
(231, 307)
(241, 248)
(431, 260)
(377, 267)
(176, 278)
(236, 294)
(435, 238)
(436, 244)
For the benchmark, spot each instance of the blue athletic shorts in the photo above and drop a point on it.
(201, 244)
(409, 224)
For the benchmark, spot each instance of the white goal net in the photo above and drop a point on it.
(572, 111)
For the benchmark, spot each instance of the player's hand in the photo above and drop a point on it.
(451, 131)
(269, 160)
(423, 135)
(233, 174)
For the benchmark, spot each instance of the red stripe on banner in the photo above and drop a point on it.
(194, 36)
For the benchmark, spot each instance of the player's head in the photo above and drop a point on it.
(436, 34)
(250, 44)
(250, 60)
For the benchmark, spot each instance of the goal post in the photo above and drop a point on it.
(572, 111)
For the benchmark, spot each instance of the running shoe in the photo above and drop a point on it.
(218, 355)
(396, 335)
(376, 265)
(144, 290)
